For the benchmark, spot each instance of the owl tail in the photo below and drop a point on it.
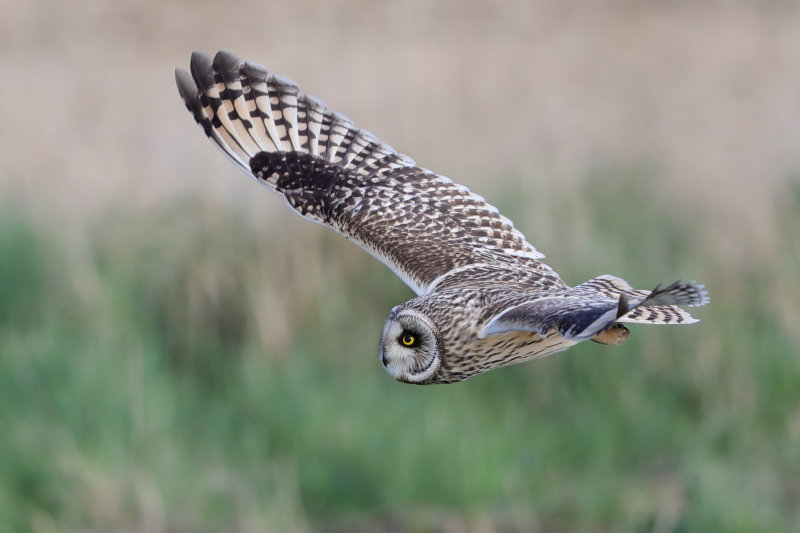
(247, 110)
(660, 305)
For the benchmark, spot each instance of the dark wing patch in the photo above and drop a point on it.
(573, 317)
(418, 226)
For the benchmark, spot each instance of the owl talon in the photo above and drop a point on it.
(616, 334)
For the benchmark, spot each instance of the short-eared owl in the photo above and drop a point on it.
(484, 300)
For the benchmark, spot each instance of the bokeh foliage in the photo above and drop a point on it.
(189, 370)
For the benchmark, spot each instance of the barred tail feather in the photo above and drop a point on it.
(660, 306)
(679, 293)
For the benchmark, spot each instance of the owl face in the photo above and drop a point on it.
(411, 346)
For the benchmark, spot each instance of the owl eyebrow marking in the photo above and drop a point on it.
(484, 297)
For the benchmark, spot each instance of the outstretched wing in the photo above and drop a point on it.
(576, 315)
(421, 225)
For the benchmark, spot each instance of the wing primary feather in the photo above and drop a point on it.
(188, 92)
(257, 79)
(233, 107)
(315, 112)
(203, 73)
(285, 92)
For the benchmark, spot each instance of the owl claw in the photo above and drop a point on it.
(616, 334)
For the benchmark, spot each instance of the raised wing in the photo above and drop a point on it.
(421, 225)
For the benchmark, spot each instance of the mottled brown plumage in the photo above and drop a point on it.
(484, 298)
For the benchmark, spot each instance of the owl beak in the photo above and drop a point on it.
(384, 360)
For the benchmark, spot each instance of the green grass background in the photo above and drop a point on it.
(190, 370)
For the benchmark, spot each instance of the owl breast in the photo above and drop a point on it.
(466, 359)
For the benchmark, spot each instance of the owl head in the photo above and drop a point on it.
(411, 346)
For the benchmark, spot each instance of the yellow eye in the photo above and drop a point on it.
(408, 340)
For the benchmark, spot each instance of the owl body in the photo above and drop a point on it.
(464, 353)
(484, 297)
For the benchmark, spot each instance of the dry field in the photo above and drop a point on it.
(179, 353)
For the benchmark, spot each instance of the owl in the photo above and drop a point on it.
(484, 297)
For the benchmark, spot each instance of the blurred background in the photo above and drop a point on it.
(180, 353)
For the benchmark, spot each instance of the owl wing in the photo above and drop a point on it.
(578, 315)
(420, 224)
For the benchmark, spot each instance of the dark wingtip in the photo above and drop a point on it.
(185, 84)
(189, 94)
(254, 70)
(202, 70)
(226, 63)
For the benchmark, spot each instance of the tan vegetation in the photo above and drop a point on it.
(179, 352)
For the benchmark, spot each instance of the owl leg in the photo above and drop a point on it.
(616, 334)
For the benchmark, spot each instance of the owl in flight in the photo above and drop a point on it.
(484, 298)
